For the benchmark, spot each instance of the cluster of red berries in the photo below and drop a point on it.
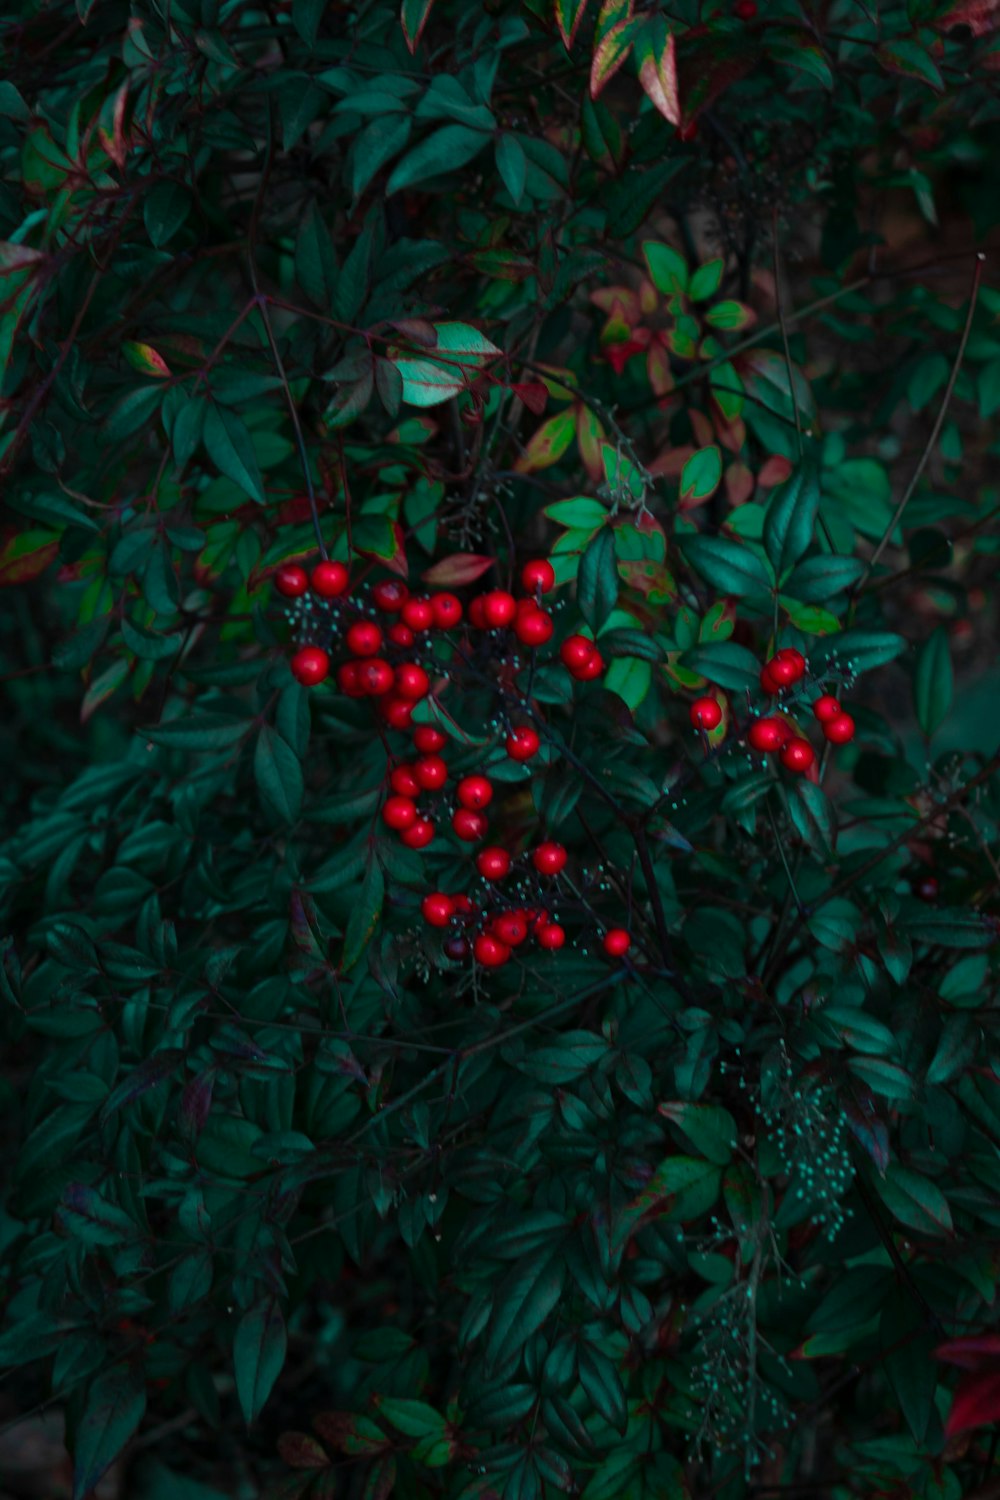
(774, 734)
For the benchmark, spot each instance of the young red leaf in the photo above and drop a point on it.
(976, 1403)
(458, 569)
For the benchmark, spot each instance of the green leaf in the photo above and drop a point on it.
(813, 815)
(512, 165)
(728, 566)
(710, 1129)
(603, 1385)
(706, 280)
(306, 16)
(115, 1405)
(950, 929)
(259, 1348)
(445, 150)
(228, 444)
(364, 915)
(631, 678)
(791, 517)
(914, 1200)
(597, 579)
(525, 1298)
(818, 579)
(857, 651)
(413, 1418)
(165, 211)
(729, 665)
(701, 475)
(581, 514)
(315, 260)
(278, 774)
(198, 732)
(378, 143)
(933, 682)
(667, 268)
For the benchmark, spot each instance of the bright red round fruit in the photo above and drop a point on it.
(390, 595)
(792, 658)
(475, 792)
(438, 909)
(782, 672)
(550, 935)
(397, 712)
(499, 608)
(768, 683)
(493, 863)
(839, 730)
(364, 638)
(404, 782)
(797, 755)
(616, 942)
(419, 836)
(549, 858)
(431, 772)
(538, 576)
(511, 928)
(399, 812)
(463, 906)
(767, 735)
(418, 614)
(522, 744)
(575, 652)
(469, 826)
(826, 708)
(593, 667)
(329, 579)
(534, 627)
(447, 610)
(706, 713)
(490, 951)
(291, 580)
(412, 681)
(429, 740)
(375, 676)
(310, 665)
(477, 614)
(348, 680)
(400, 635)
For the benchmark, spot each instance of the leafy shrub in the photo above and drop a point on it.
(689, 300)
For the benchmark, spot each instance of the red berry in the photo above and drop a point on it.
(522, 744)
(429, 740)
(499, 608)
(438, 909)
(310, 665)
(534, 627)
(550, 935)
(511, 928)
(927, 887)
(468, 825)
(575, 652)
(431, 772)
(592, 668)
(456, 948)
(412, 681)
(291, 580)
(329, 579)
(792, 657)
(798, 755)
(768, 734)
(826, 708)
(490, 951)
(463, 905)
(404, 782)
(390, 595)
(399, 812)
(397, 712)
(538, 575)
(549, 858)
(419, 836)
(418, 614)
(375, 676)
(447, 610)
(782, 672)
(745, 10)
(364, 638)
(706, 713)
(475, 791)
(839, 730)
(477, 614)
(768, 683)
(348, 680)
(616, 942)
(493, 863)
(400, 634)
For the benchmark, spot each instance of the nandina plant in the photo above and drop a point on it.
(500, 881)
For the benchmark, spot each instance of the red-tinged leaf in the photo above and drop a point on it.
(417, 331)
(981, 17)
(739, 484)
(381, 1478)
(300, 1451)
(393, 556)
(569, 14)
(658, 71)
(144, 358)
(101, 689)
(978, 1351)
(533, 394)
(610, 54)
(549, 443)
(196, 1104)
(619, 302)
(305, 924)
(458, 569)
(658, 371)
(17, 257)
(25, 554)
(413, 16)
(774, 471)
(976, 1404)
(589, 437)
(116, 1402)
(145, 1076)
